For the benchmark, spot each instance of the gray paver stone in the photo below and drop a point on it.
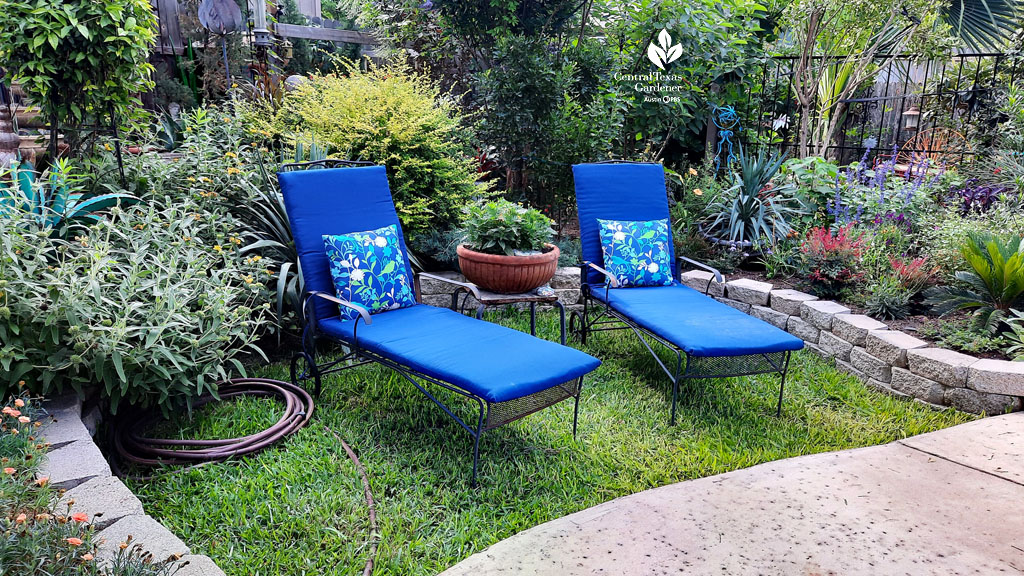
(911, 384)
(802, 330)
(933, 406)
(941, 365)
(868, 364)
(979, 402)
(567, 277)
(821, 312)
(997, 376)
(69, 401)
(890, 346)
(74, 464)
(835, 346)
(750, 291)
(104, 500)
(150, 534)
(701, 280)
(789, 301)
(198, 565)
(773, 317)
(884, 388)
(741, 306)
(854, 328)
(567, 296)
(63, 427)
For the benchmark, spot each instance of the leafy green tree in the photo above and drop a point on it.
(79, 60)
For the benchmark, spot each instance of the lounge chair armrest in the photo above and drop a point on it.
(718, 275)
(472, 288)
(363, 312)
(611, 279)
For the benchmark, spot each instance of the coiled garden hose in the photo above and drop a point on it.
(133, 447)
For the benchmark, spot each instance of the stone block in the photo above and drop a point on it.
(773, 317)
(850, 369)
(439, 300)
(750, 291)
(74, 464)
(854, 328)
(821, 312)
(566, 278)
(981, 403)
(432, 286)
(63, 427)
(868, 364)
(997, 377)
(568, 296)
(814, 349)
(835, 346)
(891, 346)
(69, 401)
(92, 418)
(789, 302)
(884, 388)
(104, 500)
(803, 330)
(145, 531)
(741, 306)
(933, 406)
(941, 365)
(701, 280)
(197, 565)
(911, 384)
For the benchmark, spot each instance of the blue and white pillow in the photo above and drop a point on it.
(369, 269)
(637, 253)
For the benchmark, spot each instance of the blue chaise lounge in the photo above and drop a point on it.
(509, 374)
(709, 339)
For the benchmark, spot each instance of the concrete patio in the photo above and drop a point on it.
(948, 502)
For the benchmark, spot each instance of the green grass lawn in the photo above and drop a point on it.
(299, 508)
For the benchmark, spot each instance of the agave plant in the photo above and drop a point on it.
(755, 210)
(993, 286)
(56, 198)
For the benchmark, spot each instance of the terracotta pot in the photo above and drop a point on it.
(508, 274)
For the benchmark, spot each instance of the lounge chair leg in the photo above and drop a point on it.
(675, 395)
(575, 415)
(782, 385)
(476, 443)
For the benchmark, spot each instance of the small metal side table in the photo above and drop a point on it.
(487, 299)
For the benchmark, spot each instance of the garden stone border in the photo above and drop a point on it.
(887, 360)
(76, 466)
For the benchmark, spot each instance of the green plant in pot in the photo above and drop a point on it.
(507, 248)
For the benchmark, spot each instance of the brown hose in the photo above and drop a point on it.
(374, 531)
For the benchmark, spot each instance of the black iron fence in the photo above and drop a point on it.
(944, 110)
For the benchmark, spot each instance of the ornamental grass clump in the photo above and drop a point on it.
(503, 227)
(831, 261)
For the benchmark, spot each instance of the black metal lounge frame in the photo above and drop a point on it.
(581, 324)
(608, 319)
(491, 415)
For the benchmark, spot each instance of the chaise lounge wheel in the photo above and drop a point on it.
(577, 327)
(304, 368)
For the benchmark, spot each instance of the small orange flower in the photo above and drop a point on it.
(9, 471)
(74, 541)
(87, 557)
(19, 403)
(80, 517)
(43, 481)
(698, 192)
(21, 519)
(24, 419)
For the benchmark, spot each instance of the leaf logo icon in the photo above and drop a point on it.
(663, 52)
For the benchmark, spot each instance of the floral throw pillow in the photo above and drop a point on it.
(369, 269)
(637, 253)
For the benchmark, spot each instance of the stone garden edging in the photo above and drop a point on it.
(75, 464)
(887, 360)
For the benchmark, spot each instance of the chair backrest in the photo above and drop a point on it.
(335, 201)
(618, 191)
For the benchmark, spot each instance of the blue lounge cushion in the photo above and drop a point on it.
(368, 268)
(493, 362)
(697, 324)
(637, 253)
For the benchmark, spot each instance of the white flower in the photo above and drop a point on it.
(619, 236)
(652, 267)
(380, 241)
(357, 275)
